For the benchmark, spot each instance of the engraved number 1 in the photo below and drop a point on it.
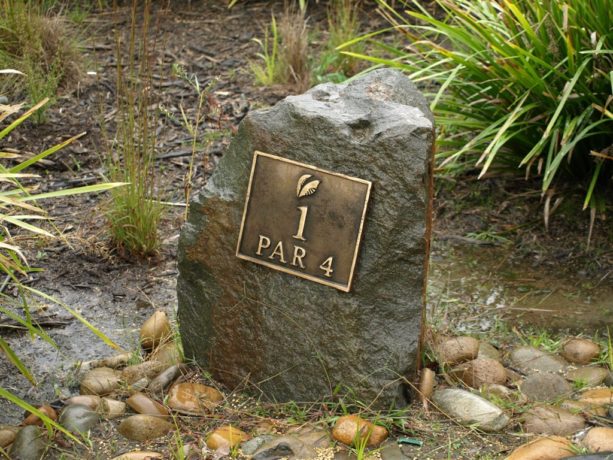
(303, 214)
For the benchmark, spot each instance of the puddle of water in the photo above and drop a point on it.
(471, 288)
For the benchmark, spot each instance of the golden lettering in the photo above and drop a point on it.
(299, 253)
(326, 266)
(278, 252)
(263, 243)
(303, 214)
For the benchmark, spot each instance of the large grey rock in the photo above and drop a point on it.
(293, 338)
(470, 409)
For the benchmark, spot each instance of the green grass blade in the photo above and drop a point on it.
(13, 358)
(75, 191)
(46, 153)
(32, 329)
(29, 227)
(77, 315)
(46, 420)
(590, 190)
(22, 118)
(565, 94)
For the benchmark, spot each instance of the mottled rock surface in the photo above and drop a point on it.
(100, 381)
(144, 427)
(348, 428)
(529, 360)
(193, 398)
(296, 339)
(479, 372)
(455, 350)
(550, 448)
(599, 439)
(588, 375)
(78, 418)
(552, 420)
(545, 387)
(580, 351)
(470, 409)
(30, 444)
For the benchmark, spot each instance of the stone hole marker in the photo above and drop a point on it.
(303, 265)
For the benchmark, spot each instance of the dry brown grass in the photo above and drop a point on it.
(294, 52)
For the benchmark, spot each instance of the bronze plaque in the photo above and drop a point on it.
(303, 220)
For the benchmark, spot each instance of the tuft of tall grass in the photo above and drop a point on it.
(40, 45)
(268, 71)
(294, 53)
(515, 83)
(284, 50)
(343, 26)
(134, 212)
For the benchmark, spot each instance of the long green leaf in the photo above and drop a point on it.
(28, 407)
(29, 227)
(492, 148)
(12, 357)
(590, 190)
(32, 328)
(46, 153)
(77, 315)
(565, 94)
(75, 191)
(22, 118)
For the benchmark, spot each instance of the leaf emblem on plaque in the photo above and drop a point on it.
(306, 189)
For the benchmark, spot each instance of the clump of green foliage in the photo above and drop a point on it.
(134, 212)
(284, 50)
(515, 83)
(39, 45)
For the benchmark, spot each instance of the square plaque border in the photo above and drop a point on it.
(339, 286)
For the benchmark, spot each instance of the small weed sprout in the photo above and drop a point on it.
(608, 358)
(269, 71)
(360, 442)
(193, 126)
(580, 384)
(543, 340)
(178, 448)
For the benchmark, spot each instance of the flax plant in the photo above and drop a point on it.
(515, 83)
(20, 212)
